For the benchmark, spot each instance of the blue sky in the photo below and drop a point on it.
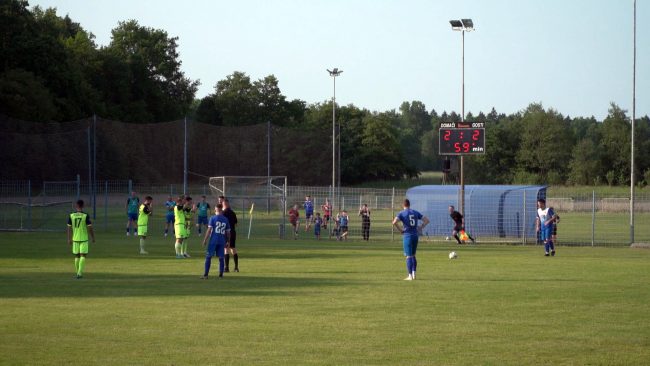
(573, 55)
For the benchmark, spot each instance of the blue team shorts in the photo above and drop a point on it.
(215, 249)
(202, 220)
(132, 216)
(410, 245)
(170, 218)
(546, 232)
(309, 215)
(317, 230)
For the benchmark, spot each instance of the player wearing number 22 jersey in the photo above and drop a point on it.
(409, 229)
(218, 235)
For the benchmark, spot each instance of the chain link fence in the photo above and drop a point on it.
(587, 218)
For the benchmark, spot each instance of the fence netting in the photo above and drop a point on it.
(155, 152)
(586, 218)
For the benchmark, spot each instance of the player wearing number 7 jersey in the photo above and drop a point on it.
(409, 229)
(218, 234)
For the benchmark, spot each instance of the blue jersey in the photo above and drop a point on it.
(309, 207)
(544, 215)
(343, 220)
(219, 225)
(409, 219)
(133, 203)
(318, 222)
(202, 209)
(170, 207)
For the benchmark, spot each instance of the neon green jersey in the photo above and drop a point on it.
(179, 215)
(79, 222)
(143, 215)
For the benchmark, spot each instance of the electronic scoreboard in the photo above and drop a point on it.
(458, 138)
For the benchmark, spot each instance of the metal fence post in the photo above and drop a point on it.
(78, 186)
(593, 217)
(392, 211)
(105, 205)
(130, 186)
(29, 205)
(524, 222)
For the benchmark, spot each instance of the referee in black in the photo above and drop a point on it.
(459, 224)
(232, 220)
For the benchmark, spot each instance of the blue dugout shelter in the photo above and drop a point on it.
(491, 211)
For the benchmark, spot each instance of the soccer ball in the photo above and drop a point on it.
(453, 255)
(447, 238)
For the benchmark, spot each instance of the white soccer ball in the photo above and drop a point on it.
(447, 238)
(453, 255)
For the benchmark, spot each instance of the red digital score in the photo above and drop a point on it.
(462, 141)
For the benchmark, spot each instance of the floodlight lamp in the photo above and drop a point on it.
(467, 24)
(456, 24)
(335, 72)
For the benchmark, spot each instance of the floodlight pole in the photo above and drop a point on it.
(268, 166)
(185, 156)
(633, 123)
(463, 25)
(334, 73)
(462, 119)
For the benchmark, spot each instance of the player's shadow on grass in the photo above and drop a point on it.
(49, 284)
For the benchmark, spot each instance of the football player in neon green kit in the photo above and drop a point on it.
(79, 226)
(202, 209)
(143, 222)
(179, 226)
(188, 209)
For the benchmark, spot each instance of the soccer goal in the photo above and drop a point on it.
(21, 216)
(261, 194)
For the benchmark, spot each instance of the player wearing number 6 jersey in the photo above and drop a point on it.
(409, 229)
(218, 234)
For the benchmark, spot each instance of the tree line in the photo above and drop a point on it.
(52, 70)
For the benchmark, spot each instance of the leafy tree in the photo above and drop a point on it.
(585, 167)
(155, 83)
(23, 95)
(381, 149)
(545, 141)
(616, 144)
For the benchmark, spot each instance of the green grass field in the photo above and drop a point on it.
(321, 303)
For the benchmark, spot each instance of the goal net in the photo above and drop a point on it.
(492, 213)
(268, 196)
(20, 216)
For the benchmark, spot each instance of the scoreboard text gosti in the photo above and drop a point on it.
(458, 138)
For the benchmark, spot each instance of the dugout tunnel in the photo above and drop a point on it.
(501, 212)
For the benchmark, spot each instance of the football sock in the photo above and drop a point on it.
(221, 265)
(550, 244)
(208, 263)
(457, 238)
(76, 264)
(227, 260)
(236, 258)
(142, 241)
(199, 230)
(415, 264)
(82, 264)
(166, 230)
(177, 246)
(546, 247)
(184, 247)
(409, 265)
